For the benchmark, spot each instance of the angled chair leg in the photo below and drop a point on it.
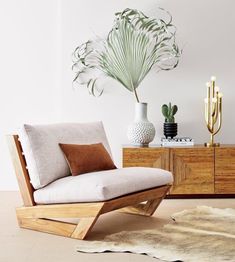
(84, 227)
(40, 218)
(47, 226)
(78, 231)
(151, 206)
(145, 209)
(134, 210)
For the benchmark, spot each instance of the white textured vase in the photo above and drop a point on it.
(141, 132)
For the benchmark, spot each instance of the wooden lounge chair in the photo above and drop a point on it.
(40, 217)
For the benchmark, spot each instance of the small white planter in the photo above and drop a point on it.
(141, 132)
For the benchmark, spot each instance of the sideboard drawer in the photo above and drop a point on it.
(193, 170)
(146, 157)
(225, 170)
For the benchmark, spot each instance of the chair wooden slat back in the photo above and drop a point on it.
(21, 171)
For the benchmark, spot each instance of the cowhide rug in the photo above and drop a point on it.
(203, 234)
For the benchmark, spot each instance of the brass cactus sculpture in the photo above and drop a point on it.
(213, 111)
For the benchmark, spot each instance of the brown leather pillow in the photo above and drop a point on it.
(87, 158)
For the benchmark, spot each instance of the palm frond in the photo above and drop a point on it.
(134, 45)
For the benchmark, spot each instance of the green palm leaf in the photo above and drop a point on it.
(135, 44)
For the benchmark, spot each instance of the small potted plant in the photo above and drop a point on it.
(170, 127)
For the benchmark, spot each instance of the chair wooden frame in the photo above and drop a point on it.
(40, 217)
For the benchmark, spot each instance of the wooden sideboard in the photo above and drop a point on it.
(198, 171)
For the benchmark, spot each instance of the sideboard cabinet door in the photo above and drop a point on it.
(146, 157)
(193, 170)
(225, 170)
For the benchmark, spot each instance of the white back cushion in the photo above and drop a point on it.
(44, 158)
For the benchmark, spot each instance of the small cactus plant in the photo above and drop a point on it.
(168, 112)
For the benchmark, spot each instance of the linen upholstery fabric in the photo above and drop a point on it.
(40, 143)
(101, 186)
(87, 158)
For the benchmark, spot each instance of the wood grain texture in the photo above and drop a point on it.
(36, 217)
(135, 198)
(152, 205)
(47, 226)
(146, 157)
(60, 210)
(143, 209)
(193, 170)
(194, 167)
(225, 170)
(21, 171)
(138, 209)
(84, 227)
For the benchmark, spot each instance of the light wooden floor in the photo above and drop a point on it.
(26, 246)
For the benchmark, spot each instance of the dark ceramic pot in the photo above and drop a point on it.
(170, 130)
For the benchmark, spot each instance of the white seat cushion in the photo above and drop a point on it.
(40, 143)
(101, 186)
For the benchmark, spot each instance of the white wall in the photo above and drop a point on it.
(38, 37)
(206, 33)
(28, 65)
